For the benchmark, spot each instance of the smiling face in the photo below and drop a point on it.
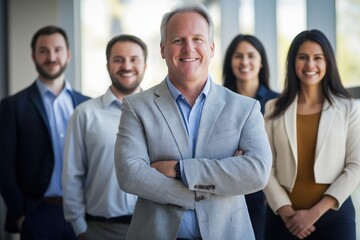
(310, 64)
(246, 62)
(126, 66)
(187, 49)
(50, 56)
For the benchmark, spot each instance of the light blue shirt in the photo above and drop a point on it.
(89, 178)
(58, 111)
(189, 227)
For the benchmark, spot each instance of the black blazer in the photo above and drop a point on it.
(26, 155)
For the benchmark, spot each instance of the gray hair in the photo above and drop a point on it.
(189, 7)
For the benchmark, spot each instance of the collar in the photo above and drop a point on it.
(43, 88)
(109, 98)
(176, 93)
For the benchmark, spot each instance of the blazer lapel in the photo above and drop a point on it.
(170, 111)
(290, 127)
(213, 106)
(36, 99)
(325, 124)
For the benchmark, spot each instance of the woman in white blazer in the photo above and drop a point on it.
(314, 133)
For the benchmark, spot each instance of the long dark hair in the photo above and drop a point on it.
(331, 83)
(228, 74)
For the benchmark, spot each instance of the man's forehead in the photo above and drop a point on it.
(55, 38)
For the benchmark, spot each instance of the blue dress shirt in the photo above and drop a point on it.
(58, 111)
(189, 227)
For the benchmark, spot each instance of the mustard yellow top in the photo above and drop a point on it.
(306, 193)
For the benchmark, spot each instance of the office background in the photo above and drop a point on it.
(91, 23)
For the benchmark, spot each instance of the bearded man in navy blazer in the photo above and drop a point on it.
(32, 132)
(188, 147)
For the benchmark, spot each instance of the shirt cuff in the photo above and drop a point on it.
(79, 225)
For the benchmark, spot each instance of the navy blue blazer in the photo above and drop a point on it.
(27, 157)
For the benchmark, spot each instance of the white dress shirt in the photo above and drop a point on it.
(89, 180)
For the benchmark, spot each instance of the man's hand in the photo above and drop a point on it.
(238, 153)
(166, 167)
(82, 236)
(20, 222)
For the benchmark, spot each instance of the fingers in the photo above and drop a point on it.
(238, 153)
(305, 233)
(20, 222)
(165, 167)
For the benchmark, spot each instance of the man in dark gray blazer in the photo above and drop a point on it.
(32, 133)
(188, 147)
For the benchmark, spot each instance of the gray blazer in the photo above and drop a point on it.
(152, 129)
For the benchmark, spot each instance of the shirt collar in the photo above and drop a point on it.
(176, 93)
(44, 89)
(109, 98)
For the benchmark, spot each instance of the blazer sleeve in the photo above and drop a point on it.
(276, 195)
(10, 190)
(349, 179)
(233, 175)
(132, 165)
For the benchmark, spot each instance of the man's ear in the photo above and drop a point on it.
(68, 55)
(162, 46)
(212, 47)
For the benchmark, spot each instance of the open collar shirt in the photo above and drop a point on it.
(189, 227)
(58, 110)
(89, 179)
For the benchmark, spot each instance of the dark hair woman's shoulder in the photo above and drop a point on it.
(266, 93)
(272, 94)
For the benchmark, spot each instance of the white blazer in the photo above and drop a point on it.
(337, 154)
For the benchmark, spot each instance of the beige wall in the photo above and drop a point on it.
(25, 18)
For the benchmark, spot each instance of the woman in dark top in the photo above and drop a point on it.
(246, 71)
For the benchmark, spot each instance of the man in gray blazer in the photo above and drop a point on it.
(188, 147)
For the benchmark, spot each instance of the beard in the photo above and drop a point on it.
(124, 89)
(43, 73)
